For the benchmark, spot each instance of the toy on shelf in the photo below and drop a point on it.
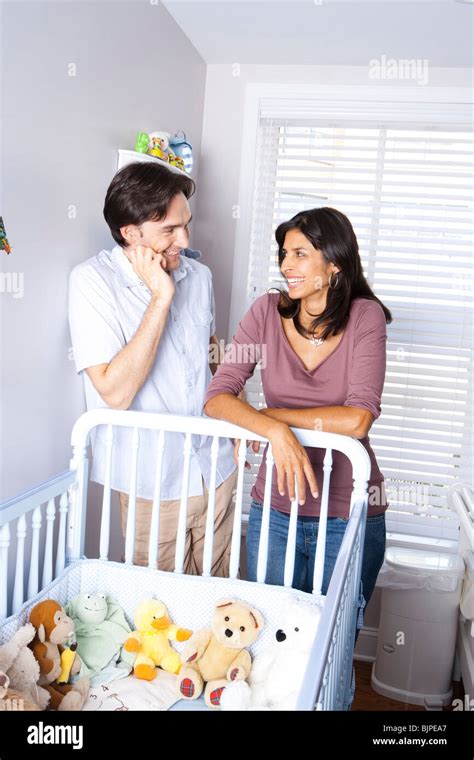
(175, 160)
(141, 143)
(183, 151)
(158, 145)
(176, 151)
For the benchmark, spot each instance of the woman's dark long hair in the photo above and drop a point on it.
(330, 232)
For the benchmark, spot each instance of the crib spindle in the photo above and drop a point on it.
(322, 529)
(61, 548)
(155, 514)
(234, 562)
(340, 649)
(34, 562)
(211, 509)
(105, 518)
(183, 508)
(291, 542)
(48, 549)
(359, 492)
(265, 527)
(132, 500)
(4, 547)
(76, 517)
(19, 585)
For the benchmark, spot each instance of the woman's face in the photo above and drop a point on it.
(303, 266)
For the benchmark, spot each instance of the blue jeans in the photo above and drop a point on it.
(306, 537)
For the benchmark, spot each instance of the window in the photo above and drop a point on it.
(408, 191)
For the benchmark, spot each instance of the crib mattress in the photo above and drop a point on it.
(190, 601)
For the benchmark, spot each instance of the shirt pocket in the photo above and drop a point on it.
(199, 331)
(200, 317)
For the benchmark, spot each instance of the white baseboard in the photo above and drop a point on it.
(366, 647)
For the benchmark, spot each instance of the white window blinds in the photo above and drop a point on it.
(408, 192)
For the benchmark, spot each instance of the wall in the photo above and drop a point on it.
(222, 147)
(58, 153)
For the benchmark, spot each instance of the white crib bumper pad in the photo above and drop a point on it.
(190, 601)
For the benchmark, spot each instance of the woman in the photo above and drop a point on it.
(324, 348)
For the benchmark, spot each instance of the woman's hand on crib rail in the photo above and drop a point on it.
(291, 459)
(291, 462)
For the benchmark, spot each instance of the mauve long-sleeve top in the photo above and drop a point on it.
(352, 375)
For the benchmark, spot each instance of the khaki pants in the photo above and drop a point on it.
(195, 529)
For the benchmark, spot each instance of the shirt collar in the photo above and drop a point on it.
(127, 277)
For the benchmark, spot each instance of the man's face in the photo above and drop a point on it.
(170, 234)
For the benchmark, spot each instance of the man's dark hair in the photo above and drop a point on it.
(142, 192)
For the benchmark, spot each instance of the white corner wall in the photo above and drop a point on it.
(80, 79)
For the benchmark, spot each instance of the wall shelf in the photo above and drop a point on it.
(131, 156)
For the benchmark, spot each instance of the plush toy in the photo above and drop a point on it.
(158, 145)
(4, 684)
(68, 656)
(54, 629)
(100, 632)
(277, 672)
(176, 161)
(141, 143)
(18, 664)
(13, 700)
(183, 151)
(216, 656)
(150, 640)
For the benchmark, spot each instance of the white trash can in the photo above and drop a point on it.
(418, 626)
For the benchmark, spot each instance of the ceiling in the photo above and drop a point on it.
(331, 32)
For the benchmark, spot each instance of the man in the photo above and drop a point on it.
(141, 319)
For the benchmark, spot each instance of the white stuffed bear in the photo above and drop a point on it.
(277, 672)
(19, 664)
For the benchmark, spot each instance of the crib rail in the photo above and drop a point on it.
(216, 429)
(71, 488)
(327, 682)
(27, 509)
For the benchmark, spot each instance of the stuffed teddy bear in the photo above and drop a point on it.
(216, 656)
(100, 631)
(278, 671)
(12, 700)
(150, 640)
(53, 630)
(18, 664)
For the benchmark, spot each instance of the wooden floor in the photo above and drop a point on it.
(366, 699)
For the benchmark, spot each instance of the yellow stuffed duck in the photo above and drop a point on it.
(150, 640)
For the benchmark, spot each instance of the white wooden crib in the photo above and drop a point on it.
(327, 681)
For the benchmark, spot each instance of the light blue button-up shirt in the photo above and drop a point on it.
(107, 302)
